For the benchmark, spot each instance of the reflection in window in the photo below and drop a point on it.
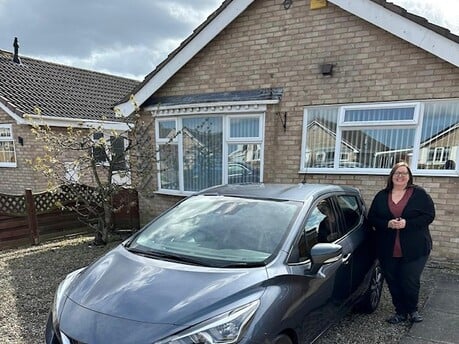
(376, 136)
(440, 136)
(243, 163)
(166, 129)
(209, 150)
(7, 153)
(202, 152)
(168, 166)
(377, 148)
(321, 137)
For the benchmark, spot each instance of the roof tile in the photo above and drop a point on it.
(58, 90)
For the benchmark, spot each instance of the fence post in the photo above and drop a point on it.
(32, 217)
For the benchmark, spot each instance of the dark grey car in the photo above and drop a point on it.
(233, 264)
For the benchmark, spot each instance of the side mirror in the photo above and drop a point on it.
(325, 253)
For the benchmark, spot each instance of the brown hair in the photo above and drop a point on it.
(390, 183)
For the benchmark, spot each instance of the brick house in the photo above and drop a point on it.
(66, 96)
(376, 83)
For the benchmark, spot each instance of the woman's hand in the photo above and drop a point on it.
(397, 223)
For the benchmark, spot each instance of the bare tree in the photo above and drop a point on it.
(107, 161)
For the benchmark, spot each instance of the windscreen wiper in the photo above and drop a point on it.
(167, 256)
(242, 265)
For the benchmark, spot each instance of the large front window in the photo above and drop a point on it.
(7, 152)
(197, 152)
(374, 137)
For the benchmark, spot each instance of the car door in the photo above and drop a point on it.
(351, 211)
(321, 298)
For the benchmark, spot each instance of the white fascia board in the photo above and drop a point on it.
(212, 29)
(14, 116)
(404, 28)
(252, 106)
(74, 122)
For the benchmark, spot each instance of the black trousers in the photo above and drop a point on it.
(404, 281)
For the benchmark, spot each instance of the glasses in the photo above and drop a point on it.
(401, 174)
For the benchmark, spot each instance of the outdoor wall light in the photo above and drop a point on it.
(326, 69)
(21, 140)
(287, 4)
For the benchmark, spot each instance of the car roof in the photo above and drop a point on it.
(291, 192)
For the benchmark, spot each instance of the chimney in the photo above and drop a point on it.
(16, 51)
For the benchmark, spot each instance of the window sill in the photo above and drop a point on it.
(422, 173)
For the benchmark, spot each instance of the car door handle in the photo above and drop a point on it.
(346, 258)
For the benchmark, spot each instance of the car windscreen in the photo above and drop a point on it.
(219, 230)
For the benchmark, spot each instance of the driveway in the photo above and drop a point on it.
(29, 277)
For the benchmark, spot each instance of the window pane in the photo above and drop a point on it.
(377, 148)
(351, 212)
(118, 153)
(371, 115)
(98, 150)
(7, 152)
(166, 129)
(440, 136)
(244, 127)
(168, 164)
(202, 152)
(244, 163)
(5, 132)
(321, 137)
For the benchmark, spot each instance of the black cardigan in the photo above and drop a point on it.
(415, 238)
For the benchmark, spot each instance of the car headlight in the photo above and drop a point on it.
(224, 328)
(60, 292)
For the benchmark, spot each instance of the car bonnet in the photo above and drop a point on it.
(122, 284)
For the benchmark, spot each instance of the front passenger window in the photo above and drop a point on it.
(320, 227)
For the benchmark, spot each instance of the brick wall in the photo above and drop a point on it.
(268, 46)
(16, 179)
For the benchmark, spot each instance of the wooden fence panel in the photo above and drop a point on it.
(13, 228)
(25, 218)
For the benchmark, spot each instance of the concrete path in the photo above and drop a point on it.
(440, 312)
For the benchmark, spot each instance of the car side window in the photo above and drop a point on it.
(352, 212)
(320, 226)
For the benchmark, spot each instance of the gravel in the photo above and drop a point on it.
(29, 277)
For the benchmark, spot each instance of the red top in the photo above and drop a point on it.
(397, 209)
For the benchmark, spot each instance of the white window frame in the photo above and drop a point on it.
(9, 139)
(227, 112)
(342, 125)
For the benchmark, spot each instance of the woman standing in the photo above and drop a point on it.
(401, 214)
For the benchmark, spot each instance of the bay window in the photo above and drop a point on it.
(197, 152)
(373, 137)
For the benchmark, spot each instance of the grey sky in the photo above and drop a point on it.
(130, 38)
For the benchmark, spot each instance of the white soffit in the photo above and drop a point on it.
(76, 123)
(209, 32)
(404, 28)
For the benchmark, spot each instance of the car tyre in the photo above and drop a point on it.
(370, 299)
(283, 339)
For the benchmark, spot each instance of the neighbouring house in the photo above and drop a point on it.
(66, 96)
(308, 91)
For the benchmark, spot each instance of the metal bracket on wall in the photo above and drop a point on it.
(283, 118)
(287, 4)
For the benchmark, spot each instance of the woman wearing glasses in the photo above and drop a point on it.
(401, 214)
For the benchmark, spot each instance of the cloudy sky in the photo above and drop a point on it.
(129, 38)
